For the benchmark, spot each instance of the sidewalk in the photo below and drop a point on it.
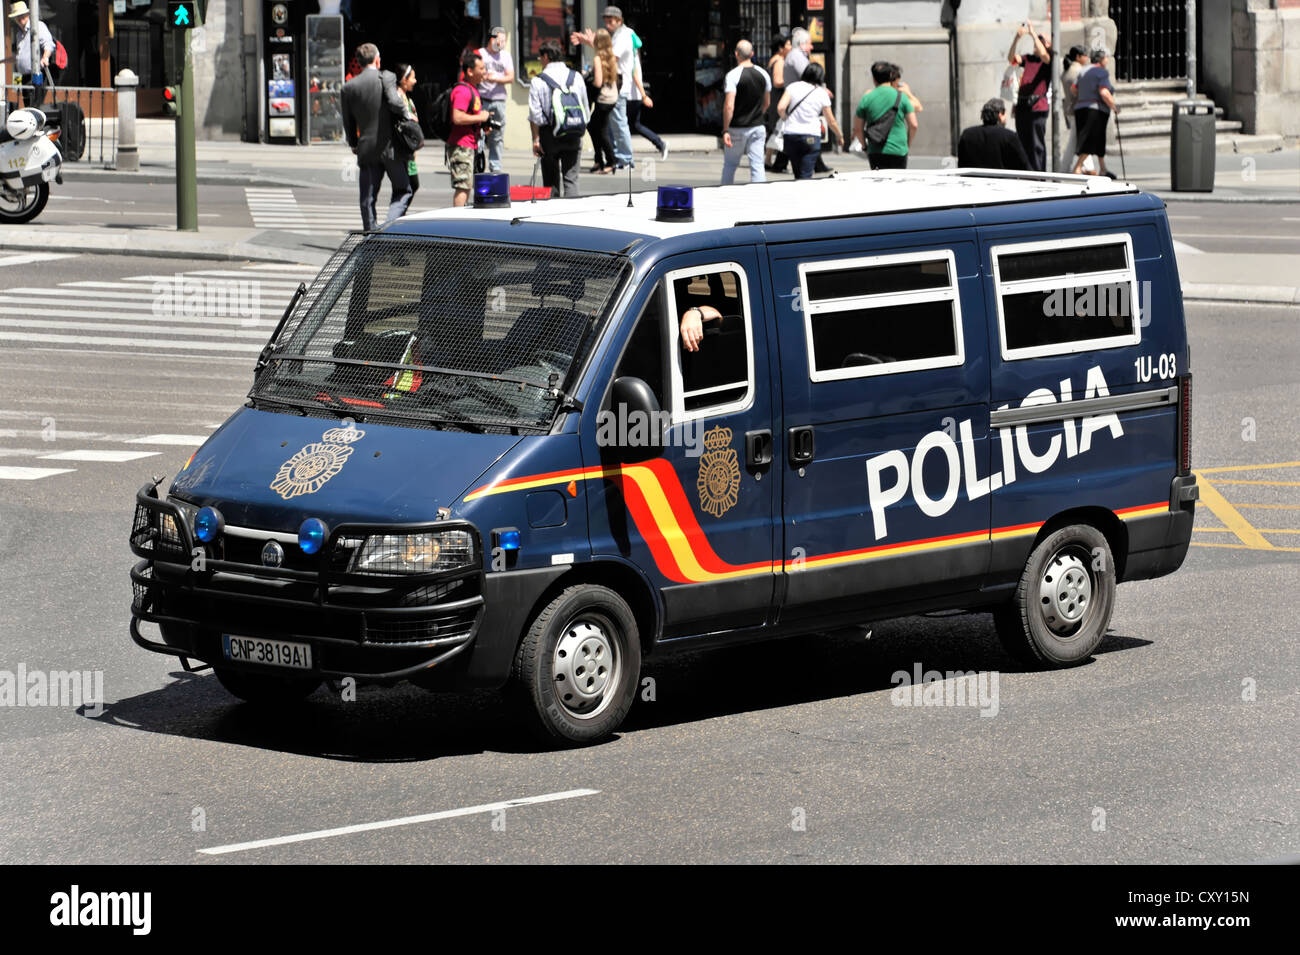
(1218, 277)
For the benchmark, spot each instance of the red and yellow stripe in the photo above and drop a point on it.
(665, 519)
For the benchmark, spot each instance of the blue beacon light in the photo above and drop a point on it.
(208, 524)
(491, 189)
(676, 204)
(312, 535)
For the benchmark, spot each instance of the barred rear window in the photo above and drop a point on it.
(441, 332)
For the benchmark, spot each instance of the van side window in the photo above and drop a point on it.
(643, 358)
(717, 376)
(1066, 296)
(881, 315)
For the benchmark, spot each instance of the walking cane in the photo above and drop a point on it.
(532, 183)
(1122, 167)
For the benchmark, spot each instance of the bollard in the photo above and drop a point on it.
(128, 154)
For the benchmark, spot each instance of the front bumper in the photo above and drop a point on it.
(381, 627)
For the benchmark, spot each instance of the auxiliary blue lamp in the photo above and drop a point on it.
(676, 204)
(312, 535)
(491, 189)
(208, 523)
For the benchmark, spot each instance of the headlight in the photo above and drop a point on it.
(414, 553)
(169, 533)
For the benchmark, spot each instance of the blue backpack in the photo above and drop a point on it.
(568, 117)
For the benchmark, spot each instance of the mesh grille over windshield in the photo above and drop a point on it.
(441, 332)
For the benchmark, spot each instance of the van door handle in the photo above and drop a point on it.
(758, 448)
(802, 445)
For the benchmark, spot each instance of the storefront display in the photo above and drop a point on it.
(325, 78)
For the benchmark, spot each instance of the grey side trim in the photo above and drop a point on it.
(1060, 410)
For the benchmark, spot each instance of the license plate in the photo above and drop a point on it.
(275, 653)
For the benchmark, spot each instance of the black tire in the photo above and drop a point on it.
(32, 211)
(547, 680)
(1063, 602)
(266, 689)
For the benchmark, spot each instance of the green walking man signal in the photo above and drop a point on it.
(182, 16)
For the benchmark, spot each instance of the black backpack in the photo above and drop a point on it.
(440, 124)
(878, 132)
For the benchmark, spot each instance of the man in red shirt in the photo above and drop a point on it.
(467, 114)
(1032, 106)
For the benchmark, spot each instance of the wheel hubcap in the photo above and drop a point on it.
(586, 667)
(16, 202)
(1065, 593)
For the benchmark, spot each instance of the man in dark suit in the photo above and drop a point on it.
(991, 145)
(372, 106)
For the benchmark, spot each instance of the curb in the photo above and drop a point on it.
(168, 177)
(1241, 294)
(173, 247)
(1293, 197)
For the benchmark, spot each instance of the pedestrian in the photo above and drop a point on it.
(33, 91)
(793, 65)
(372, 106)
(1032, 101)
(638, 100)
(804, 104)
(776, 72)
(1078, 62)
(896, 77)
(492, 91)
(1092, 112)
(467, 118)
(557, 136)
(620, 34)
(748, 91)
(604, 77)
(991, 145)
(885, 120)
(406, 79)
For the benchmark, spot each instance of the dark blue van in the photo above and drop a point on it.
(527, 446)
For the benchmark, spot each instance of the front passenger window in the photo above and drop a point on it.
(711, 309)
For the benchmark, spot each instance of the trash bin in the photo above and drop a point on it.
(1191, 148)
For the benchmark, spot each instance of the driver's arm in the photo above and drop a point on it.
(693, 320)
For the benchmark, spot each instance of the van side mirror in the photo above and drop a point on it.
(633, 425)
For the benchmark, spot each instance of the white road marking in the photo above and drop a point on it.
(184, 440)
(1182, 248)
(116, 457)
(131, 342)
(30, 474)
(393, 823)
(32, 257)
(248, 330)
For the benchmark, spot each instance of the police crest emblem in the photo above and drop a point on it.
(719, 480)
(308, 470)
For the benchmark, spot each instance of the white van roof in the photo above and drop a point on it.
(850, 194)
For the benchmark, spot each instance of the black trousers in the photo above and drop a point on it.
(599, 129)
(372, 179)
(1031, 128)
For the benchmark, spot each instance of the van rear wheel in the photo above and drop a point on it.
(575, 673)
(1064, 601)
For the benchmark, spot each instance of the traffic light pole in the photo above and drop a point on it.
(187, 192)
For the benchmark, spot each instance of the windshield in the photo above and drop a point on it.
(441, 333)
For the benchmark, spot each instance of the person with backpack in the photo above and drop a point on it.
(466, 116)
(558, 113)
(803, 106)
(885, 120)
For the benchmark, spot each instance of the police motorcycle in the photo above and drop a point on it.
(29, 162)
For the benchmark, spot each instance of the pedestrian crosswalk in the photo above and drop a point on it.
(280, 209)
(211, 312)
(34, 466)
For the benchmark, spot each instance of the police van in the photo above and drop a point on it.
(529, 445)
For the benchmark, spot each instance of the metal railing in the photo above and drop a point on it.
(96, 107)
(1152, 43)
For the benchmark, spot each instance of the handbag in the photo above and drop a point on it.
(776, 142)
(411, 133)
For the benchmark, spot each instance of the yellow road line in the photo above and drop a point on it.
(1213, 530)
(1273, 507)
(1279, 530)
(1231, 518)
(1269, 483)
(1242, 546)
(1249, 467)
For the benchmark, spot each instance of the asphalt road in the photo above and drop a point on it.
(1151, 738)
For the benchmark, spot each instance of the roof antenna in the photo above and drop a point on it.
(629, 185)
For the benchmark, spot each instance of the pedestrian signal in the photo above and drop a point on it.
(183, 15)
(172, 100)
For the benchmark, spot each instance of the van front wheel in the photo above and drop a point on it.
(575, 672)
(1063, 603)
